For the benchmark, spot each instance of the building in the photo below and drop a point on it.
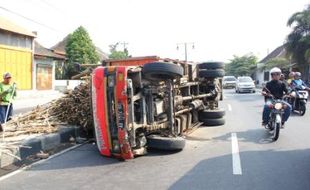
(45, 61)
(261, 75)
(16, 54)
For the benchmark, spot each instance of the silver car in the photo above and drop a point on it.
(245, 84)
(229, 82)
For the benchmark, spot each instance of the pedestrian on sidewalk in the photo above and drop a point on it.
(7, 94)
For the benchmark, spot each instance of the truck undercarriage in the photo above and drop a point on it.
(154, 105)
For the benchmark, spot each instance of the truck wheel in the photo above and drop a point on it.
(165, 143)
(211, 114)
(211, 73)
(162, 71)
(213, 122)
(211, 65)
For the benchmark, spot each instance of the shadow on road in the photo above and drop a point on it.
(276, 170)
(155, 152)
(88, 156)
(258, 136)
(84, 156)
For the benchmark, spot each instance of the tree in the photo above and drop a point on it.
(282, 63)
(298, 41)
(115, 54)
(241, 66)
(80, 50)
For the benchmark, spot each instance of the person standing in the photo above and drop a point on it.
(7, 94)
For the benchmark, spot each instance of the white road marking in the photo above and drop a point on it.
(229, 107)
(235, 155)
(40, 162)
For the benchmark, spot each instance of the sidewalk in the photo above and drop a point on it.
(30, 94)
(29, 99)
(20, 149)
(17, 150)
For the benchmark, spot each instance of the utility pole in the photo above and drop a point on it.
(124, 44)
(185, 44)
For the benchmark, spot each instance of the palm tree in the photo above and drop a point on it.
(298, 41)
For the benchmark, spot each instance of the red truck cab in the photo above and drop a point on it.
(110, 105)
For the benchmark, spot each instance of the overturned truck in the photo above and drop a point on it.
(153, 104)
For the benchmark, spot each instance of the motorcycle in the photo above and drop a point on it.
(298, 100)
(275, 119)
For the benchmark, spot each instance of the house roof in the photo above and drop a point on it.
(278, 52)
(12, 27)
(102, 55)
(59, 48)
(42, 51)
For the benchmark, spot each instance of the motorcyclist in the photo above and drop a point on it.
(277, 89)
(299, 84)
(282, 79)
(290, 78)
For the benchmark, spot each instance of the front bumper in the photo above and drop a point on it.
(229, 85)
(246, 89)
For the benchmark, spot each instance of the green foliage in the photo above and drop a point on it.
(80, 50)
(115, 54)
(282, 63)
(59, 70)
(241, 66)
(298, 41)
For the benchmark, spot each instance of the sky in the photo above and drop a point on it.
(219, 29)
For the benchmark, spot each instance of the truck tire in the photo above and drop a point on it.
(162, 71)
(165, 143)
(216, 73)
(213, 122)
(211, 114)
(211, 65)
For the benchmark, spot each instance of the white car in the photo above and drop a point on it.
(229, 81)
(245, 84)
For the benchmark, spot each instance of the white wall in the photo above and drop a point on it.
(62, 85)
(260, 74)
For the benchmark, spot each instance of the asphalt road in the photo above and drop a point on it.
(211, 159)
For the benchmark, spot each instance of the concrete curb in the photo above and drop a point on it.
(37, 144)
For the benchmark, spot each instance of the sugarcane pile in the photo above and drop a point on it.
(74, 108)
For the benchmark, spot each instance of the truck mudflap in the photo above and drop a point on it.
(109, 100)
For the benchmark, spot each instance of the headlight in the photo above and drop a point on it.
(293, 94)
(116, 146)
(278, 106)
(301, 96)
(111, 81)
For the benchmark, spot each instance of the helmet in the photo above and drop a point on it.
(292, 74)
(297, 75)
(275, 70)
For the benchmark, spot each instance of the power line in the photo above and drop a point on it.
(51, 6)
(124, 44)
(29, 19)
(185, 44)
